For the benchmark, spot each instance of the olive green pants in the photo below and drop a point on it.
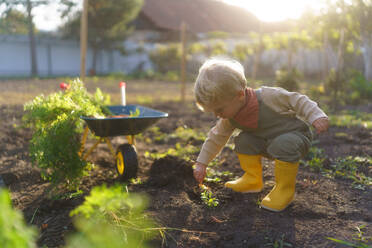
(288, 147)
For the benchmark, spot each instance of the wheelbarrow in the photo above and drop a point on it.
(121, 123)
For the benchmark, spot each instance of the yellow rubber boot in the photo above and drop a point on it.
(251, 181)
(283, 192)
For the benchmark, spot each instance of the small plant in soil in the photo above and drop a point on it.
(362, 240)
(278, 243)
(351, 168)
(113, 216)
(207, 197)
(57, 127)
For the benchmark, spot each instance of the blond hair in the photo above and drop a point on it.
(218, 80)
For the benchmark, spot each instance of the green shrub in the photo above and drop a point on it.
(288, 80)
(216, 48)
(112, 216)
(242, 51)
(196, 47)
(335, 85)
(57, 127)
(166, 57)
(14, 232)
(360, 87)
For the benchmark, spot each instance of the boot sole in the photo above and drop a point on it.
(272, 209)
(252, 191)
(248, 191)
(275, 210)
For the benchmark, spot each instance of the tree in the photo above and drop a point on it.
(10, 5)
(339, 35)
(291, 42)
(108, 24)
(14, 22)
(361, 16)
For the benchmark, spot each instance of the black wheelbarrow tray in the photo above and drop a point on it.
(124, 123)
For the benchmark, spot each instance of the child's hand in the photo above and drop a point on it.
(200, 171)
(321, 124)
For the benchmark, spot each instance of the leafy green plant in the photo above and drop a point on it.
(208, 199)
(14, 232)
(112, 216)
(214, 175)
(57, 127)
(315, 159)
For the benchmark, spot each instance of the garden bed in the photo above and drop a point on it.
(324, 206)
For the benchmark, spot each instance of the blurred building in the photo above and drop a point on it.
(158, 22)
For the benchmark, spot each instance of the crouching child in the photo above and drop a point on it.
(273, 123)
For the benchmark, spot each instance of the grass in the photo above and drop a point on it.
(352, 118)
(360, 237)
(138, 91)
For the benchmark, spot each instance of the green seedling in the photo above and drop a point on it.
(216, 176)
(359, 236)
(315, 160)
(349, 168)
(278, 243)
(208, 198)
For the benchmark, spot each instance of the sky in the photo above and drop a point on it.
(47, 17)
(277, 10)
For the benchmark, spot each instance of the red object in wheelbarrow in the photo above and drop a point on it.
(122, 123)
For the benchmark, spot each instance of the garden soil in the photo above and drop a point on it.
(323, 207)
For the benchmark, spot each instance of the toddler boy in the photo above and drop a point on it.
(273, 123)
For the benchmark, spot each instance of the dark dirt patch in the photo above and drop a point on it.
(322, 208)
(171, 172)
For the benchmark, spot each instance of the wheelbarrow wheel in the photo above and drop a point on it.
(126, 162)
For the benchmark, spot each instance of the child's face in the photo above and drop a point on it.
(229, 108)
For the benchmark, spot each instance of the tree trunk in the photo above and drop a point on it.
(93, 70)
(340, 54)
(290, 56)
(339, 68)
(325, 54)
(257, 58)
(32, 39)
(367, 55)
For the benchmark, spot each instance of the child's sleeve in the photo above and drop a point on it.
(215, 141)
(283, 101)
